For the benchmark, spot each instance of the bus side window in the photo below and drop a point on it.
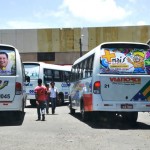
(81, 70)
(85, 68)
(88, 67)
(76, 73)
(91, 65)
(66, 76)
(47, 75)
(61, 74)
(72, 75)
(56, 74)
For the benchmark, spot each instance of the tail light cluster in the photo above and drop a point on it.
(18, 88)
(96, 88)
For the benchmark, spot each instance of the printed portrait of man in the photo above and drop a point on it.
(6, 67)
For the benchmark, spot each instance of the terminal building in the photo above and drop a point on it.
(64, 45)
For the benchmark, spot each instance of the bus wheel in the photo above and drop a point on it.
(130, 117)
(84, 115)
(23, 105)
(72, 111)
(60, 99)
(33, 102)
(18, 117)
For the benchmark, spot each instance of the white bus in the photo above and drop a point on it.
(47, 72)
(12, 79)
(113, 78)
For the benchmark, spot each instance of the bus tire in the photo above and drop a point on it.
(72, 111)
(18, 117)
(33, 102)
(23, 105)
(60, 99)
(130, 117)
(84, 115)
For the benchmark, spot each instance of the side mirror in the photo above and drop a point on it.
(68, 83)
(27, 79)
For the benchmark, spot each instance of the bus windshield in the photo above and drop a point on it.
(7, 61)
(125, 60)
(32, 70)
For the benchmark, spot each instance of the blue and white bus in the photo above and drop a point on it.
(114, 77)
(47, 72)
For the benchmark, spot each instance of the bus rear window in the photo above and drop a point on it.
(7, 61)
(125, 60)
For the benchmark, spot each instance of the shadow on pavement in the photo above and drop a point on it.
(115, 123)
(11, 119)
(31, 106)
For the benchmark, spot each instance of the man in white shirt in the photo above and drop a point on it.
(53, 96)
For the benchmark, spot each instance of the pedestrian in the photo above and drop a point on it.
(53, 96)
(47, 99)
(40, 95)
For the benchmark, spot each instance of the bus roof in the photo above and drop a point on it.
(7, 45)
(50, 66)
(106, 44)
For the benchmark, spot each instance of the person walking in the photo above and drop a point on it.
(40, 95)
(53, 96)
(47, 99)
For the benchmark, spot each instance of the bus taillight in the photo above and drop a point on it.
(96, 88)
(18, 88)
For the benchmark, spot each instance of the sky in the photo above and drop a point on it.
(37, 14)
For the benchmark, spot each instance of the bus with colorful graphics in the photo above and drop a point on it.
(113, 78)
(47, 72)
(12, 79)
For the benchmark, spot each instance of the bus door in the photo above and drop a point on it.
(124, 74)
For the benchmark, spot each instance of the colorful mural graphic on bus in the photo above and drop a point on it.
(143, 94)
(125, 60)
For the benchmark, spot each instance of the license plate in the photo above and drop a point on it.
(126, 106)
